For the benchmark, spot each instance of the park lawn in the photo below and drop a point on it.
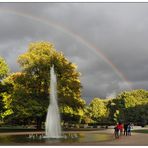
(145, 131)
(21, 129)
(83, 129)
(3, 130)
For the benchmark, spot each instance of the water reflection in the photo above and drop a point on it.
(66, 138)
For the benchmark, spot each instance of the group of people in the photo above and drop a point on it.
(120, 128)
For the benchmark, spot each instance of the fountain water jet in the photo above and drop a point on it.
(52, 124)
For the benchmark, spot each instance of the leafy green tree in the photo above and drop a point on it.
(4, 69)
(98, 110)
(125, 106)
(31, 86)
(70, 115)
(87, 116)
(18, 98)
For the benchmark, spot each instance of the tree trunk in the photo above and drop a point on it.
(39, 123)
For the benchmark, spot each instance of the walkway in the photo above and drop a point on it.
(137, 139)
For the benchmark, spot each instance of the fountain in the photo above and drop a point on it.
(53, 132)
(52, 124)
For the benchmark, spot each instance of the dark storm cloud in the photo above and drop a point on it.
(118, 30)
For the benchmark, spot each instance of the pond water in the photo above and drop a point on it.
(67, 138)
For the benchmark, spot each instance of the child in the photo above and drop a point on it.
(129, 129)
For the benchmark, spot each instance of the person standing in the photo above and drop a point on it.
(120, 127)
(116, 131)
(129, 129)
(125, 129)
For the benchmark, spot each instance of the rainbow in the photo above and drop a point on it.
(74, 35)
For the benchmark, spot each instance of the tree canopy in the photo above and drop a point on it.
(24, 95)
(98, 109)
(128, 106)
(3, 68)
(30, 94)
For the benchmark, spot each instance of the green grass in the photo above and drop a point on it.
(21, 129)
(145, 131)
(4, 129)
(16, 130)
(83, 129)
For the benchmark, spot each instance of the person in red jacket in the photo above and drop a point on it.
(120, 128)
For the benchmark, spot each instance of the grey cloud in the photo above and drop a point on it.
(118, 30)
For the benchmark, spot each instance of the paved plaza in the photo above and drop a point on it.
(136, 139)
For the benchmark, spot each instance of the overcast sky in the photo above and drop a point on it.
(118, 30)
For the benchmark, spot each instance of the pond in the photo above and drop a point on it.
(68, 138)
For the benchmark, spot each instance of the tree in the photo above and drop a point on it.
(31, 86)
(3, 68)
(70, 115)
(3, 72)
(18, 98)
(126, 105)
(87, 116)
(98, 110)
